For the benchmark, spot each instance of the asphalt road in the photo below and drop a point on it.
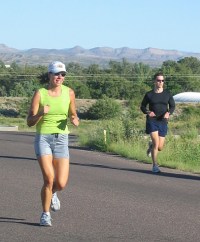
(108, 198)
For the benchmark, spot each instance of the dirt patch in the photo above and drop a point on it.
(83, 105)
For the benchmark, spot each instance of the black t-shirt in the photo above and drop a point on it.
(159, 103)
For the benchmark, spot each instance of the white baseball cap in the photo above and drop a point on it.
(56, 67)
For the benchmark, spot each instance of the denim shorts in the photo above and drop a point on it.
(52, 144)
(153, 125)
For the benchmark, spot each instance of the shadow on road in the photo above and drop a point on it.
(164, 174)
(16, 221)
(16, 157)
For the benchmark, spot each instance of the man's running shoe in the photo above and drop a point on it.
(155, 169)
(149, 149)
(45, 220)
(55, 202)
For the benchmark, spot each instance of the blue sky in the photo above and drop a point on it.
(139, 24)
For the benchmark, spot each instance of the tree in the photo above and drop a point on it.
(93, 69)
(74, 68)
(18, 91)
(80, 88)
(2, 65)
(190, 63)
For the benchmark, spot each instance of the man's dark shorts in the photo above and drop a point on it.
(153, 125)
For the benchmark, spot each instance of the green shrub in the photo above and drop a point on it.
(105, 109)
(23, 109)
(134, 109)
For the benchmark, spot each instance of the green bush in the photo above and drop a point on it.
(23, 109)
(191, 110)
(105, 109)
(134, 109)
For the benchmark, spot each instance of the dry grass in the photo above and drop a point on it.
(11, 102)
(15, 102)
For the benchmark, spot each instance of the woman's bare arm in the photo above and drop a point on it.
(72, 109)
(35, 114)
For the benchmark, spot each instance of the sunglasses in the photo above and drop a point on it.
(60, 73)
(160, 80)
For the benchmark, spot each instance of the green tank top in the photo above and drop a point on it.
(56, 119)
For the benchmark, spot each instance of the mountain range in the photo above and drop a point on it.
(98, 55)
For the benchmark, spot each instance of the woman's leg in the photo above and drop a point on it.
(47, 169)
(61, 167)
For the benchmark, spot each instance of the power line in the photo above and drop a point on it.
(103, 75)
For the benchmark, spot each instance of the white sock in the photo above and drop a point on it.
(47, 213)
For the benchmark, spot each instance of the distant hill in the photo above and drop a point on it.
(98, 55)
